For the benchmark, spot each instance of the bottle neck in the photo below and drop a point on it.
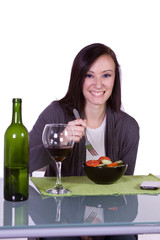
(16, 115)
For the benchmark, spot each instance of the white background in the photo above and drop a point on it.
(39, 40)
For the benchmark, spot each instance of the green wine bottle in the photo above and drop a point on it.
(16, 157)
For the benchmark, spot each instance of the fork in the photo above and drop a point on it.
(91, 217)
(88, 145)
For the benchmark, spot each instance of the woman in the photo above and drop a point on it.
(94, 90)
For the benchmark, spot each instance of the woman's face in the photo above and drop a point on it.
(99, 81)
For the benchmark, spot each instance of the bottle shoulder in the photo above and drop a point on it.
(16, 128)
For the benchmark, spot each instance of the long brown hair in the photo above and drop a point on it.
(85, 58)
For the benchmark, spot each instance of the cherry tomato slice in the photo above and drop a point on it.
(92, 163)
(102, 158)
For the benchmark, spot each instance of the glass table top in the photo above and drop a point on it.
(79, 212)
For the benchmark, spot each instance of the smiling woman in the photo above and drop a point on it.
(95, 91)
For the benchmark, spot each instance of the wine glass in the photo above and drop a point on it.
(58, 139)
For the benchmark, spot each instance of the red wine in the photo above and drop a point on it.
(59, 153)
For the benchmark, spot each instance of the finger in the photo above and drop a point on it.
(79, 127)
(78, 132)
(78, 122)
(78, 135)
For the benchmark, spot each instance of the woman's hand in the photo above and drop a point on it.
(79, 127)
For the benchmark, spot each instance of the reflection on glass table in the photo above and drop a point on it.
(88, 209)
(52, 216)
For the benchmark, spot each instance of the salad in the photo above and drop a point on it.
(103, 162)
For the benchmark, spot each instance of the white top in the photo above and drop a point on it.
(96, 138)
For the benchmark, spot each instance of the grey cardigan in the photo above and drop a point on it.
(121, 142)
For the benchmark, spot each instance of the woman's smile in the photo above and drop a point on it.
(97, 93)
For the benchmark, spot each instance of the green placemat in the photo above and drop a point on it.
(82, 186)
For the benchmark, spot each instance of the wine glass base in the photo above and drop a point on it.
(58, 191)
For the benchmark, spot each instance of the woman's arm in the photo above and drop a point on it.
(39, 156)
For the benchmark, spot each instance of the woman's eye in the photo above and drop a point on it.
(106, 75)
(89, 76)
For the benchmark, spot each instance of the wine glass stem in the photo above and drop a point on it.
(58, 181)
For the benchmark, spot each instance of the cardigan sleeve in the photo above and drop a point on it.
(128, 140)
(39, 157)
